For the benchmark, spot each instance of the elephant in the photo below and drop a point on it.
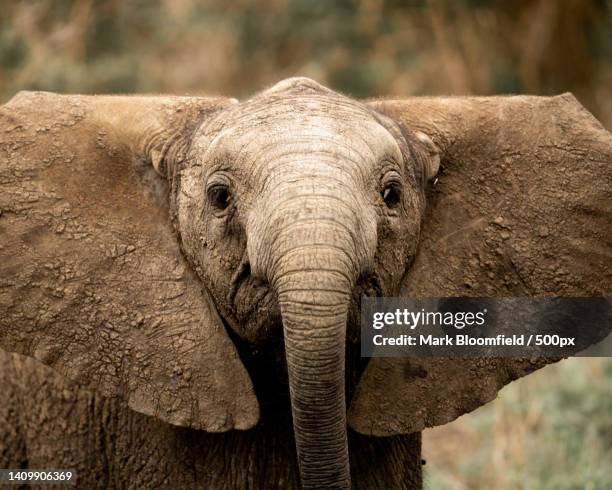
(183, 274)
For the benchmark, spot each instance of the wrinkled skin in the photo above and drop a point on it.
(314, 157)
(49, 422)
(298, 239)
(229, 297)
(279, 203)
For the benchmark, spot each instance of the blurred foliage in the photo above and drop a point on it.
(362, 47)
(551, 430)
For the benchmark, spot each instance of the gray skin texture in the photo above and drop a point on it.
(47, 421)
(200, 261)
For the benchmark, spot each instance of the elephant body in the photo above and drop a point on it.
(199, 263)
(47, 421)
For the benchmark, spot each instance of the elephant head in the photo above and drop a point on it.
(140, 233)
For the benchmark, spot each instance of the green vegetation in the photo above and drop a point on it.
(549, 431)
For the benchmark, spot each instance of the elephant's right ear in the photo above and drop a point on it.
(92, 280)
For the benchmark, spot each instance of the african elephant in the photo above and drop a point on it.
(201, 261)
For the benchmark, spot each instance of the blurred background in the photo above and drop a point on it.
(552, 430)
(362, 47)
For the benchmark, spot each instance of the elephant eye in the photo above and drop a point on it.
(392, 194)
(219, 196)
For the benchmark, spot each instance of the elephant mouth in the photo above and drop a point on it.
(366, 286)
(252, 294)
(254, 305)
(256, 314)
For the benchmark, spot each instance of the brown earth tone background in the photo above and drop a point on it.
(552, 430)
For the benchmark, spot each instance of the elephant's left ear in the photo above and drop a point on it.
(522, 207)
(92, 279)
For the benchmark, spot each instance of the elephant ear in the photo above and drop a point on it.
(92, 279)
(522, 207)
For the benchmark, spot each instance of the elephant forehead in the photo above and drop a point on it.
(311, 124)
(295, 104)
(297, 84)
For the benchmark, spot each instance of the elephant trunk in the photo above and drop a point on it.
(314, 306)
(311, 241)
